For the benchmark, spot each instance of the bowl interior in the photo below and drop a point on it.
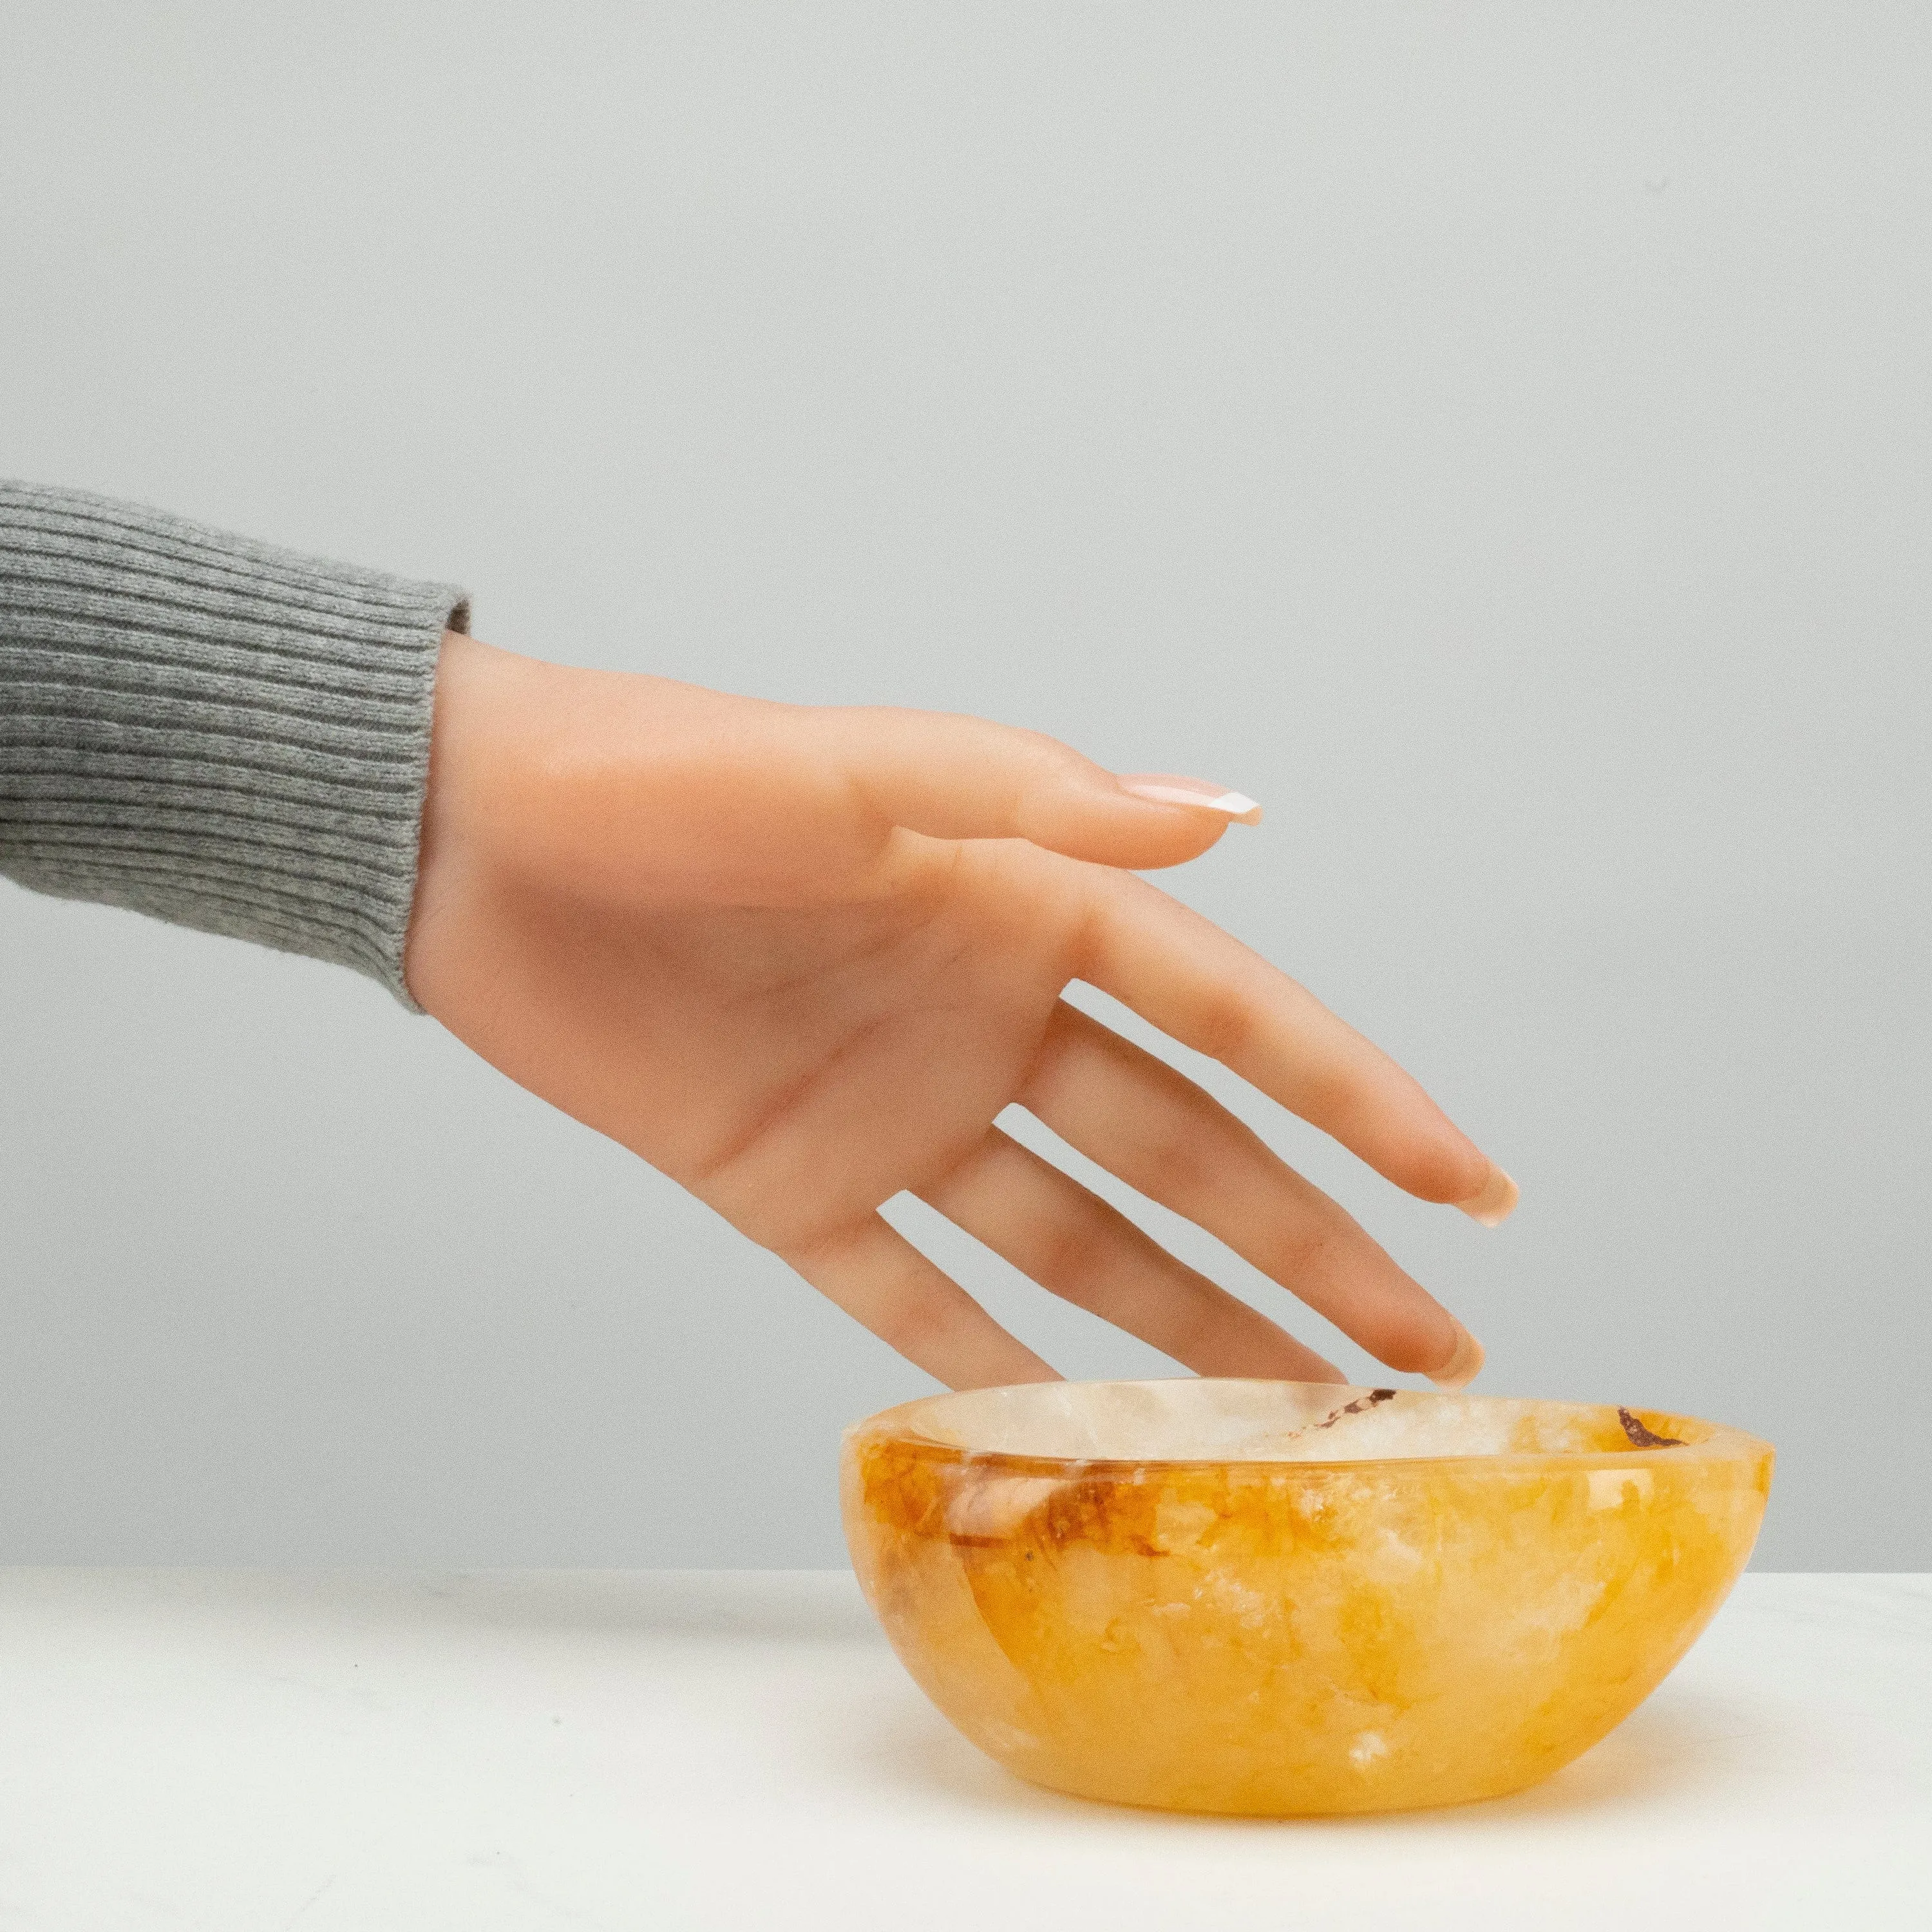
(1203, 1419)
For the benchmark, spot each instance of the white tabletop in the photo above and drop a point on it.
(739, 1750)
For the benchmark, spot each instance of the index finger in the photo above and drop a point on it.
(1185, 975)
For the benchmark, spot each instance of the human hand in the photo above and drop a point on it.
(800, 959)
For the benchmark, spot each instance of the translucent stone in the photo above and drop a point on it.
(1282, 1597)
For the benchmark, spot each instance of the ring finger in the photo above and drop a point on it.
(1073, 1242)
(1140, 1119)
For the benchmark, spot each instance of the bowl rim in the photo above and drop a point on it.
(1723, 1443)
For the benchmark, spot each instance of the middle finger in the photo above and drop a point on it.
(1137, 1118)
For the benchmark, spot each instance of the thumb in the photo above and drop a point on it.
(952, 777)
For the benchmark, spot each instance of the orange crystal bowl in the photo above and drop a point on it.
(1285, 1597)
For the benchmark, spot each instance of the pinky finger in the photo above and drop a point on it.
(885, 1284)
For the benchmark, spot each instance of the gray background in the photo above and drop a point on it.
(1496, 437)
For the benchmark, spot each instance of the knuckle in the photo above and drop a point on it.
(913, 1325)
(804, 1241)
(1303, 1253)
(1078, 1259)
(1333, 1098)
(1222, 1025)
(1053, 758)
(1199, 1155)
(1195, 1317)
(1178, 1164)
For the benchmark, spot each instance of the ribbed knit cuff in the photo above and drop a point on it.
(220, 733)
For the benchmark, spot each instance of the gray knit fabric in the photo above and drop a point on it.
(218, 732)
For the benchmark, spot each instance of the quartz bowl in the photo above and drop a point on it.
(1285, 1597)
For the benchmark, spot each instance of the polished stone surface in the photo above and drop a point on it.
(1279, 1599)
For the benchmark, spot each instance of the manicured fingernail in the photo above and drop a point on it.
(1496, 1202)
(1464, 1366)
(1164, 788)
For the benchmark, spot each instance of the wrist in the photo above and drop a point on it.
(585, 787)
(473, 764)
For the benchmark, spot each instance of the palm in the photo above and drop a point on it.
(818, 1061)
(795, 1066)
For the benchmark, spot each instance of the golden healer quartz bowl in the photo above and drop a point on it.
(1282, 1597)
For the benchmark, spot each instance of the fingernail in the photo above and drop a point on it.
(1496, 1202)
(1164, 788)
(1463, 1366)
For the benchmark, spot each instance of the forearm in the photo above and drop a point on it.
(220, 733)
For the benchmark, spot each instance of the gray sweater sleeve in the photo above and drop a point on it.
(213, 730)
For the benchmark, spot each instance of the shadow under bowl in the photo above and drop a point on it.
(1278, 1598)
